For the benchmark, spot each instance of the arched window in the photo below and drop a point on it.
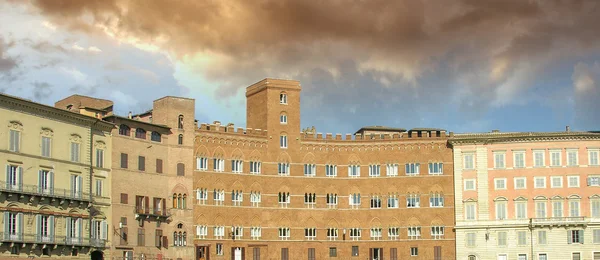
(282, 98)
(180, 122)
(180, 139)
(179, 202)
(472, 257)
(140, 133)
(156, 137)
(175, 242)
(124, 130)
(174, 200)
(283, 118)
(183, 201)
(184, 239)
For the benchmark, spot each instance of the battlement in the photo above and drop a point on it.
(230, 129)
(425, 135)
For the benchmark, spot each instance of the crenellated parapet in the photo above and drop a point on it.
(410, 135)
(231, 130)
(230, 136)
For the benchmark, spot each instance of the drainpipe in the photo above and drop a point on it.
(91, 179)
(531, 237)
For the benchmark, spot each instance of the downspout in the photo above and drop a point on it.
(531, 237)
(91, 178)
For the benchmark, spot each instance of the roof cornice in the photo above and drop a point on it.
(522, 137)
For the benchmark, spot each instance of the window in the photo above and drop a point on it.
(542, 257)
(284, 199)
(540, 209)
(540, 182)
(519, 159)
(595, 208)
(470, 184)
(218, 165)
(374, 170)
(124, 160)
(414, 233)
(202, 196)
(573, 181)
(392, 169)
(159, 166)
(141, 163)
(394, 254)
(542, 237)
(333, 252)
(522, 257)
(45, 180)
(219, 197)
(283, 141)
(238, 232)
(354, 200)
(353, 171)
(469, 161)
(330, 170)
(573, 208)
(556, 181)
(75, 151)
(283, 118)
(310, 233)
(284, 254)
(436, 168)
(155, 137)
(45, 228)
(141, 237)
(522, 238)
(354, 250)
(99, 185)
(14, 222)
(284, 233)
(520, 183)
(500, 184)
(310, 170)
(576, 256)
(219, 249)
(470, 211)
(593, 181)
(219, 233)
(255, 233)
(46, 146)
(575, 236)
(501, 238)
(237, 166)
(572, 159)
(412, 169)
(593, 156)
(100, 158)
(201, 231)
(436, 200)
(375, 202)
(180, 122)
(499, 158)
(180, 139)
(555, 158)
(255, 167)
(140, 133)
(76, 186)
(283, 169)
(413, 200)
(596, 236)
(255, 198)
(538, 158)
(202, 163)
(99, 228)
(15, 141)
(414, 251)
(393, 201)
(471, 242)
(180, 169)
(472, 257)
(557, 209)
(310, 200)
(437, 232)
(521, 209)
(124, 130)
(332, 234)
(501, 210)
(393, 233)
(331, 200)
(355, 233)
(123, 198)
(237, 197)
(283, 98)
(376, 233)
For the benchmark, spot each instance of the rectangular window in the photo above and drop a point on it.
(284, 199)
(374, 170)
(310, 170)
(353, 171)
(76, 186)
(255, 167)
(15, 141)
(501, 210)
(555, 158)
(412, 169)
(219, 232)
(393, 201)
(354, 250)
(519, 159)
(392, 169)
(141, 237)
(538, 158)
(573, 181)
(282, 98)
(413, 201)
(331, 170)
(14, 174)
(355, 233)
(332, 234)
(572, 158)
(540, 182)
(159, 166)
(470, 211)
(124, 162)
(201, 231)
(593, 157)
(542, 237)
(46, 146)
(543, 257)
(75, 152)
(521, 257)
(202, 196)
(540, 209)
(141, 163)
(436, 168)
(218, 165)
(469, 161)
(99, 188)
(284, 233)
(237, 166)
(596, 236)
(502, 238)
(393, 233)
(520, 183)
(414, 233)
(283, 141)
(500, 184)
(375, 202)
(557, 209)
(437, 232)
(499, 160)
(310, 200)
(255, 233)
(333, 252)
(237, 197)
(470, 184)
(99, 158)
(521, 210)
(595, 208)
(575, 236)
(219, 197)
(219, 249)
(376, 234)
(593, 180)
(238, 233)
(522, 238)
(414, 251)
(201, 163)
(436, 200)
(471, 242)
(576, 256)
(283, 169)
(574, 208)
(556, 182)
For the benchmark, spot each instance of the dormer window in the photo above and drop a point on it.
(282, 98)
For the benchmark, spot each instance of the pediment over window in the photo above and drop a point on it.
(595, 196)
(16, 125)
(574, 197)
(470, 200)
(520, 198)
(46, 131)
(540, 198)
(557, 197)
(501, 199)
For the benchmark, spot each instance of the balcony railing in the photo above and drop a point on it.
(152, 211)
(554, 221)
(45, 192)
(50, 239)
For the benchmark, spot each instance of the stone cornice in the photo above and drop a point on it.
(521, 137)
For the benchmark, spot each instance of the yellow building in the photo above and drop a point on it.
(54, 196)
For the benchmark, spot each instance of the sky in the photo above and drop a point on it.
(464, 66)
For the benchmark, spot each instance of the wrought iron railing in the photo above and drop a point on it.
(51, 239)
(153, 211)
(558, 220)
(44, 191)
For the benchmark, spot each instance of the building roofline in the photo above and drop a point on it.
(173, 97)
(137, 121)
(380, 128)
(497, 137)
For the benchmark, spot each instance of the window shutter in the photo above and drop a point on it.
(7, 176)
(6, 225)
(38, 231)
(51, 182)
(569, 236)
(39, 181)
(581, 236)
(80, 186)
(103, 229)
(68, 227)
(51, 227)
(94, 229)
(20, 225)
(20, 177)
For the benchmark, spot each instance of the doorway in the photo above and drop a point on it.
(97, 255)
(237, 253)
(202, 253)
(376, 254)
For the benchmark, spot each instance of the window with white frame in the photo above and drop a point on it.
(470, 211)
(14, 141)
(437, 232)
(237, 197)
(436, 168)
(330, 170)
(218, 165)
(412, 169)
(500, 183)
(255, 233)
(310, 233)
(283, 98)
(310, 200)
(471, 239)
(355, 233)
(283, 118)
(539, 158)
(219, 232)
(575, 236)
(45, 182)
(255, 198)
(283, 169)
(219, 197)
(310, 170)
(99, 188)
(202, 196)
(414, 233)
(238, 232)
(393, 233)
(519, 159)
(469, 161)
(376, 233)
(100, 158)
(413, 200)
(75, 151)
(593, 180)
(284, 233)
(414, 251)
(573, 181)
(521, 209)
(46, 146)
(574, 208)
(540, 209)
(499, 160)
(375, 202)
(596, 236)
(557, 209)
(541, 235)
(520, 183)
(436, 200)
(593, 157)
(393, 201)
(201, 231)
(555, 159)
(572, 158)
(283, 199)
(283, 141)
(540, 182)
(255, 167)
(374, 170)
(237, 166)
(556, 181)
(353, 171)
(470, 184)
(201, 163)
(501, 210)
(354, 200)
(219, 249)
(521, 238)
(331, 199)
(391, 169)
(501, 236)
(332, 234)
(595, 205)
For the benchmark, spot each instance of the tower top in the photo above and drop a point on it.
(282, 84)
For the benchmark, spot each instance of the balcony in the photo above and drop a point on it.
(36, 239)
(37, 191)
(158, 213)
(559, 221)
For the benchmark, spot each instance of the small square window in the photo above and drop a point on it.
(414, 251)
(470, 184)
(333, 252)
(500, 184)
(520, 182)
(354, 250)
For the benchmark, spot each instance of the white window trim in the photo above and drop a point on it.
(503, 156)
(515, 153)
(474, 184)
(552, 178)
(535, 182)
(597, 151)
(543, 152)
(569, 181)
(496, 183)
(559, 157)
(576, 157)
(464, 156)
(520, 178)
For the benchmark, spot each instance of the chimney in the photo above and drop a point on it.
(217, 123)
(129, 116)
(568, 129)
(495, 131)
